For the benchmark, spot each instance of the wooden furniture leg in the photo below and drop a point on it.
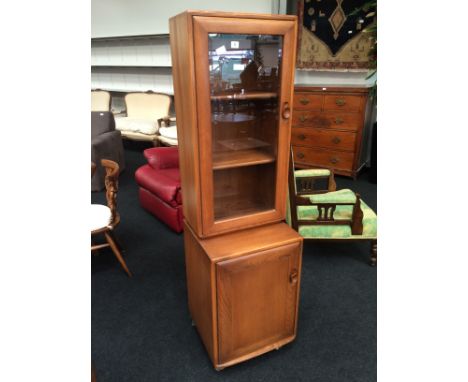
(117, 253)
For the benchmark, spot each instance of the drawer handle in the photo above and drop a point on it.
(302, 118)
(339, 120)
(340, 101)
(301, 137)
(300, 155)
(293, 276)
(334, 160)
(304, 101)
(336, 140)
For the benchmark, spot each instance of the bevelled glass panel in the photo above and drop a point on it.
(244, 89)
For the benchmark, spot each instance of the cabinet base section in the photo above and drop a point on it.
(243, 290)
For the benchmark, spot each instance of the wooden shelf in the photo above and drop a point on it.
(244, 96)
(230, 207)
(231, 159)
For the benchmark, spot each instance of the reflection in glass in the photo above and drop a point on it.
(244, 88)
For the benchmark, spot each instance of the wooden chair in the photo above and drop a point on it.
(318, 212)
(105, 218)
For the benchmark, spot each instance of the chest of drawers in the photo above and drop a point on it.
(328, 128)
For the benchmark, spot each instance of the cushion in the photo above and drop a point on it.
(148, 106)
(100, 216)
(136, 125)
(311, 172)
(100, 100)
(369, 223)
(168, 141)
(168, 132)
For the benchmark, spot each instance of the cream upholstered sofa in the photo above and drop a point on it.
(100, 100)
(145, 113)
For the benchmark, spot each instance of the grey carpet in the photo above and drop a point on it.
(141, 329)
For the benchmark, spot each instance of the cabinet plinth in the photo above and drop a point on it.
(243, 290)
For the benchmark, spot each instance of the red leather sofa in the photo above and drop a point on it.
(159, 182)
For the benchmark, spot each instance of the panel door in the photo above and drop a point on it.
(257, 298)
(244, 80)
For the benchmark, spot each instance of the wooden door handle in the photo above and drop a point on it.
(293, 276)
(300, 155)
(304, 101)
(334, 160)
(286, 111)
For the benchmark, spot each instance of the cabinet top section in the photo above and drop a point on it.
(238, 15)
(243, 242)
(326, 89)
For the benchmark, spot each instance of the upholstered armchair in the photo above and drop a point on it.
(106, 143)
(159, 186)
(145, 115)
(318, 212)
(100, 100)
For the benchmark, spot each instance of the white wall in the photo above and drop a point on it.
(110, 18)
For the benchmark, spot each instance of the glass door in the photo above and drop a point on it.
(244, 88)
(243, 80)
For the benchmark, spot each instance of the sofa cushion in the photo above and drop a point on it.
(168, 132)
(136, 125)
(165, 184)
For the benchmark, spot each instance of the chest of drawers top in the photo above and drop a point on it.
(345, 99)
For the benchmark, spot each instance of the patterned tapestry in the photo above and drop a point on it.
(330, 35)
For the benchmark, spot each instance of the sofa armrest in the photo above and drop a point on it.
(162, 157)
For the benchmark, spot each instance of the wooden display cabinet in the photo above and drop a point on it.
(233, 87)
(243, 290)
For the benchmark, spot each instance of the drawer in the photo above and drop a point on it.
(332, 139)
(342, 102)
(308, 101)
(336, 120)
(324, 158)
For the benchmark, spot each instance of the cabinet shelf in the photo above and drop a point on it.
(243, 158)
(244, 96)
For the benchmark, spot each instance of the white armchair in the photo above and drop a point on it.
(145, 111)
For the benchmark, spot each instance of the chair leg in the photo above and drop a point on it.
(373, 259)
(117, 241)
(117, 253)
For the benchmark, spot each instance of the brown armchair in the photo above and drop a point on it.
(106, 143)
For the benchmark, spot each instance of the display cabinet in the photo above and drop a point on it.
(233, 88)
(233, 81)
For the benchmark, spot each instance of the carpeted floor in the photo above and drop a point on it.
(141, 329)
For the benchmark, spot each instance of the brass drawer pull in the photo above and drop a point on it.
(334, 160)
(300, 155)
(301, 137)
(336, 140)
(302, 118)
(340, 101)
(304, 101)
(339, 120)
